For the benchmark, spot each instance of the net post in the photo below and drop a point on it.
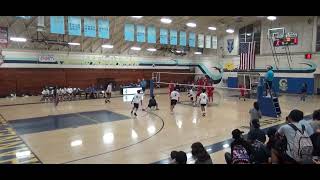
(151, 88)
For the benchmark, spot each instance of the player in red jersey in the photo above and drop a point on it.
(210, 90)
(200, 87)
(171, 87)
(242, 92)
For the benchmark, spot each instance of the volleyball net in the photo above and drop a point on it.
(162, 82)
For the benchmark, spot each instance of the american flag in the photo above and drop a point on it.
(247, 55)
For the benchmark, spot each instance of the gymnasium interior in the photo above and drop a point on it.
(69, 85)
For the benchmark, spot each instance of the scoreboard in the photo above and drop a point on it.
(289, 39)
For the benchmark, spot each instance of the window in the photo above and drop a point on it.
(251, 33)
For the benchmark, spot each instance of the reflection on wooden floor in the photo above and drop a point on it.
(148, 138)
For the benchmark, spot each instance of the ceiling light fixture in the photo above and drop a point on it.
(108, 46)
(166, 20)
(18, 39)
(135, 48)
(151, 49)
(271, 18)
(74, 44)
(190, 24)
(230, 31)
(137, 17)
(212, 28)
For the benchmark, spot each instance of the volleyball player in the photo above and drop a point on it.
(174, 98)
(210, 90)
(242, 92)
(192, 96)
(108, 92)
(137, 98)
(203, 100)
(56, 96)
(171, 87)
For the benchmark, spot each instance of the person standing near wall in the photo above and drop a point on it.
(304, 89)
(269, 78)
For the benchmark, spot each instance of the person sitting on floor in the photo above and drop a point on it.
(315, 137)
(291, 132)
(241, 150)
(200, 154)
(178, 157)
(256, 132)
(315, 123)
(257, 138)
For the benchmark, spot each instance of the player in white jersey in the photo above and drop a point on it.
(108, 93)
(192, 95)
(137, 98)
(174, 97)
(45, 95)
(203, 100)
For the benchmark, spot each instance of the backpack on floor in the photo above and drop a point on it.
(302, 146)
(240, 155)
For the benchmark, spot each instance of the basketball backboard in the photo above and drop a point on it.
(276, 33)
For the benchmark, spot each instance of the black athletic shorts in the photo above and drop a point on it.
(268, 84)
(173, 102)
(203, 105)
(136, 105)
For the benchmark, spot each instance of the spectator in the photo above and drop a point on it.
(181, 158)
(173, 156)
(255, 113)
(315, 124)
(307, 126)
(315, 137)
(276, 147)
(271, 133)
(256, 133)
(241, 150)
(257, 138)
(200, 154)
(292, 131)
(178, 157)
(304, 89)
(316, 161)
